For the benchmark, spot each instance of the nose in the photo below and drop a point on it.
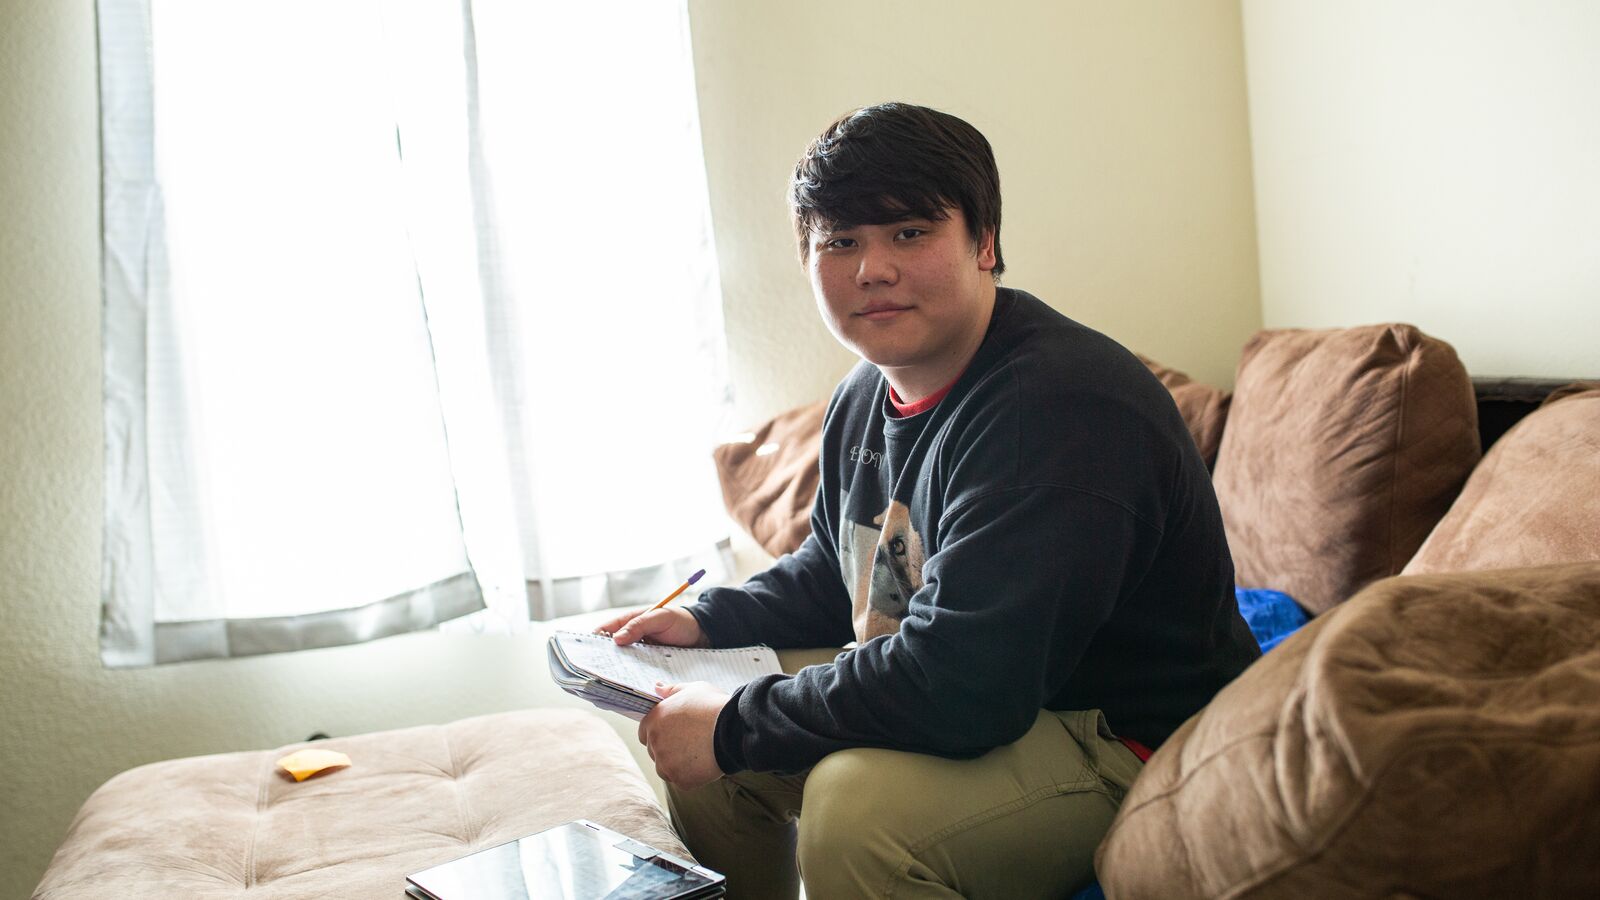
(877, 265)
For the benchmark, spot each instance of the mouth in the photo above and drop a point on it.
(880, 311)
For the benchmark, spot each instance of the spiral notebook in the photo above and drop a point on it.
(623, 679)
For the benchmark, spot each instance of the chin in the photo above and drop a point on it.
(883, 353)
(888, 360)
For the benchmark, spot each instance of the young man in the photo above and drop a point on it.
(1013, 523)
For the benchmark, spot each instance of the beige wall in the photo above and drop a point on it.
(1433, 163)
(1122, 140)
(1121, 133)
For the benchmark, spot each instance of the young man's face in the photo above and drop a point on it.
(911, 297)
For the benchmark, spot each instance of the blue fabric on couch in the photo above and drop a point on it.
(1271, 615)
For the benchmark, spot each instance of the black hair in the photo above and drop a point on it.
(896, 161)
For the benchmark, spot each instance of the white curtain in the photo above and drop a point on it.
(398, 325)
(612, 386)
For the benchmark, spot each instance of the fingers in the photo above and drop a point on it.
(613, 625)
(673, 627)
(642, 626)
(627, 634)
(665, 690)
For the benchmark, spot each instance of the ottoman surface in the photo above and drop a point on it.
(219, 826)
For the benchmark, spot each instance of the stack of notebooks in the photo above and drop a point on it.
(623, 679)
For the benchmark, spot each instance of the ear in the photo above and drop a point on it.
(986, 251)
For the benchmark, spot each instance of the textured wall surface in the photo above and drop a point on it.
(1122, 140)
(1432, 164)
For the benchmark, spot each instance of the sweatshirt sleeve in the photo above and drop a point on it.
(800, 602)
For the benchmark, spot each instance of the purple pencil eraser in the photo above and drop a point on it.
(696, 576)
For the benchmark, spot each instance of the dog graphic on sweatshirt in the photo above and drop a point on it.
(882, 568)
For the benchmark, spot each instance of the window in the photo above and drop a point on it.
(411, 311)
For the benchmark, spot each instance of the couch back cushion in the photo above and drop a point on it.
(1204, 408)
(1436, 736)
(1535, 498)
(769, 481)
(1342, 450)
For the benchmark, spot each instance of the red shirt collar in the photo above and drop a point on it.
(923, 405)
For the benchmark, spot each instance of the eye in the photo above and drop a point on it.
(840, 243)
(906, 234)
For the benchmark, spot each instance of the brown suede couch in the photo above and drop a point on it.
(1435, 730)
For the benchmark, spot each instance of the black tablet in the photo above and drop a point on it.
(576, 861)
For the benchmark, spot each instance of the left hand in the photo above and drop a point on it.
(679, 731)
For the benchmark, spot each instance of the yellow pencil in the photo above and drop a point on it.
(681, 588)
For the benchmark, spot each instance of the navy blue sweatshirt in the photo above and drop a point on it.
(1045, 537)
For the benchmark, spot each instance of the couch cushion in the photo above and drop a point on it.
(1436, 736)
(769, 482)
(230, 826)
(1342, 450)
(1535, 498)
(1204, 408)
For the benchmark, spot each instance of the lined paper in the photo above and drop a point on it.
(640, 666)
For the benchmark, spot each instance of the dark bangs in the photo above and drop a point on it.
(887, 163)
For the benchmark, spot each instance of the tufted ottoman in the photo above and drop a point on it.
(221, 826)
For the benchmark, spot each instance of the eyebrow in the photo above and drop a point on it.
(834, 228)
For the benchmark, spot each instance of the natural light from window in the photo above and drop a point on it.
(315, 186)
(300, 362)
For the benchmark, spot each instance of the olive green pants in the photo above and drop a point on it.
(1022, 820)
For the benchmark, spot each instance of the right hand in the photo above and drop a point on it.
(669, 625)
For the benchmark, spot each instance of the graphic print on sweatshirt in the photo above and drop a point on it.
(882, 568)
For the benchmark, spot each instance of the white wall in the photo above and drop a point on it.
(1435, 163)
(1122, 141)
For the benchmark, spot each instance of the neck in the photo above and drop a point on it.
(916, 388)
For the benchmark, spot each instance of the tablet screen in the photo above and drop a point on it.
(575, 861)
